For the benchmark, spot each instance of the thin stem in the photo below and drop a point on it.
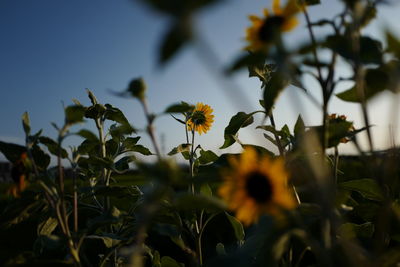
(336, 165)
(277, 139)
(150, 128)
(282, 152)
(309, 27)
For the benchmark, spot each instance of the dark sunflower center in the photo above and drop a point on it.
(258, 187)
(270, 28)
(198, 117)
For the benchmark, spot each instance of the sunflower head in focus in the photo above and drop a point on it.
(261, 34)
(256, 185)
(201, 118)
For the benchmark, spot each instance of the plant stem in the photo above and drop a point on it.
(150, 128)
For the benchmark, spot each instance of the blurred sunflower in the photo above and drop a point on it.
(256, 186)
(201, 118)
(262, 32)
(19, 175)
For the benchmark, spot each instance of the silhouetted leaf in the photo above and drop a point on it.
(176, 37)
(240, 120)
(74, 114)
(272, 89)
(11, 151)
(179, 149)
(368, 188)
(53, 146)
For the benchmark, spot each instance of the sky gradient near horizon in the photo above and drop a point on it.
(50, 51)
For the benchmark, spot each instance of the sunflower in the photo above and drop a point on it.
(262, 32)
(19, 175)
(255, 186)
(200, 119)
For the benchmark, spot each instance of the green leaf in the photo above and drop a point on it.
(272, 89)
(141, 149)
(130, 142)
(393, 44)
(11, 151)
(74, 114)
(115, 114)
(26, 123)
(376, 81)
(352, 230)
(237, 227)
(123, 163)
(247, 60)
(42, 160)
(88, 135)
(109, 217)
(261, 150)
(174, 40)
(53, 147)
(95, 112)
(299, 127)
(240, 120)
(179, 108)
(121, 130)
(167, 261)
(368, 188)
(108, 242)
(205, 189)
(370, 49)
(179, 149)
(207, 156)
(190, 202)
(47, 227)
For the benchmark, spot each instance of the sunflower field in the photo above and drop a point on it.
(294, 201)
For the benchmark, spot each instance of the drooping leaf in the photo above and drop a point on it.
(42, 160)
(207, 156)
(240, 120)
(179, 149)
(141, 149)
(272, 89)
(370, 49)
(376, 81)
(174, 40)
(53, 146)
(115, 114)
(11, 151)
(179, 108)
(368, 188)
(87, 135)
(247, 60)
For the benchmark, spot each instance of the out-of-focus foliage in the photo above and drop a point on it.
(292, 201)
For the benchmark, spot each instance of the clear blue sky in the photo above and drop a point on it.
(50, 51)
